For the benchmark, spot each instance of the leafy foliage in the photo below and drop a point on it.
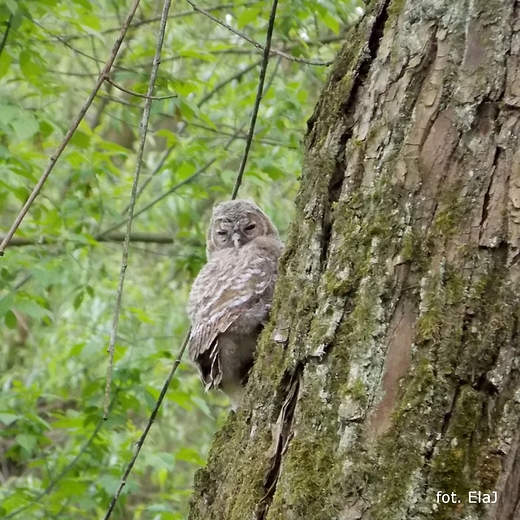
(58, 459)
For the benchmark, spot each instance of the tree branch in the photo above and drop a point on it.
(158, 18)
(117, 236)
(6, 34)
(153, 415)
(73, 49)
(62, 473)
(139, 158)
(132, 93)
(255, 43)
(173, 188)
(72, 129)
(182, 127)
(259, 93)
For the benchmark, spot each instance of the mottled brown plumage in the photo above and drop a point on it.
(230, 299)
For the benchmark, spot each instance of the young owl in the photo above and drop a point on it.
(230, 299)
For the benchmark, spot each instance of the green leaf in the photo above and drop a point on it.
(32, 308)
(331, 22)
(47, 274)
(274, 172)
(187, 110)
(30, 66)
(202, 405)
(26, 441)
(171, 138)
(5, 62)
(46, 129)
(25, 125)
(11, 5)
(109, 484)
(10, 320)
(84, 3)
(197, 55)
(8, 113)
(78, 300)
(248, 15)
(183, 171)
(190, 455)
(70, 487)
(113, 147)
(90, 21)
(76, 349)
(8, 418)
(6, 303)
(81, 139)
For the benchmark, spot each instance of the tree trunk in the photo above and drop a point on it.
(387, 383)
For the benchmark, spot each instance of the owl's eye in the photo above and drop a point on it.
(221, 232)
(250, 227)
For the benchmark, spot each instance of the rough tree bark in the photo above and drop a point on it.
(390, 368)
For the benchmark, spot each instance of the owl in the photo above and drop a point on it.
(231, 297)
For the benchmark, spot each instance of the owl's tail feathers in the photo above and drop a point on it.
(210, 368)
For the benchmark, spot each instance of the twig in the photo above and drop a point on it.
(155, 171)
(158, 18)
(223, 83)
(139, 158)
(6, 34)
(73, 49)
(23, 281)
(148, 238)
(132, 93)
(259, 94)
(254, 42)
(164, 389)
(181, 129)
(53, 483)
(153, 415)
(221, 134)
(173, 188)
(72, 129)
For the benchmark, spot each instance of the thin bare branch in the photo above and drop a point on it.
(225, 82)
(59, 477)
(6, 34)
(139, 158)
(183, 126)
(72, 129)
(132, 93)
(153, 415)
(148, 21)
(222, 134)
(148, 238)
(173, 188)
(254, 42)
(259, 94)
(156, 170)
(73, 49)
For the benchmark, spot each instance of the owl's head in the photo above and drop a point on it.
(236, 223)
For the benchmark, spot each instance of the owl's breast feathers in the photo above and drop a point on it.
(236, 284)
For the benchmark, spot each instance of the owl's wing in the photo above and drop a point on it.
(224, 297)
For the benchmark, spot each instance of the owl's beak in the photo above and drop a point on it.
(235, 237)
